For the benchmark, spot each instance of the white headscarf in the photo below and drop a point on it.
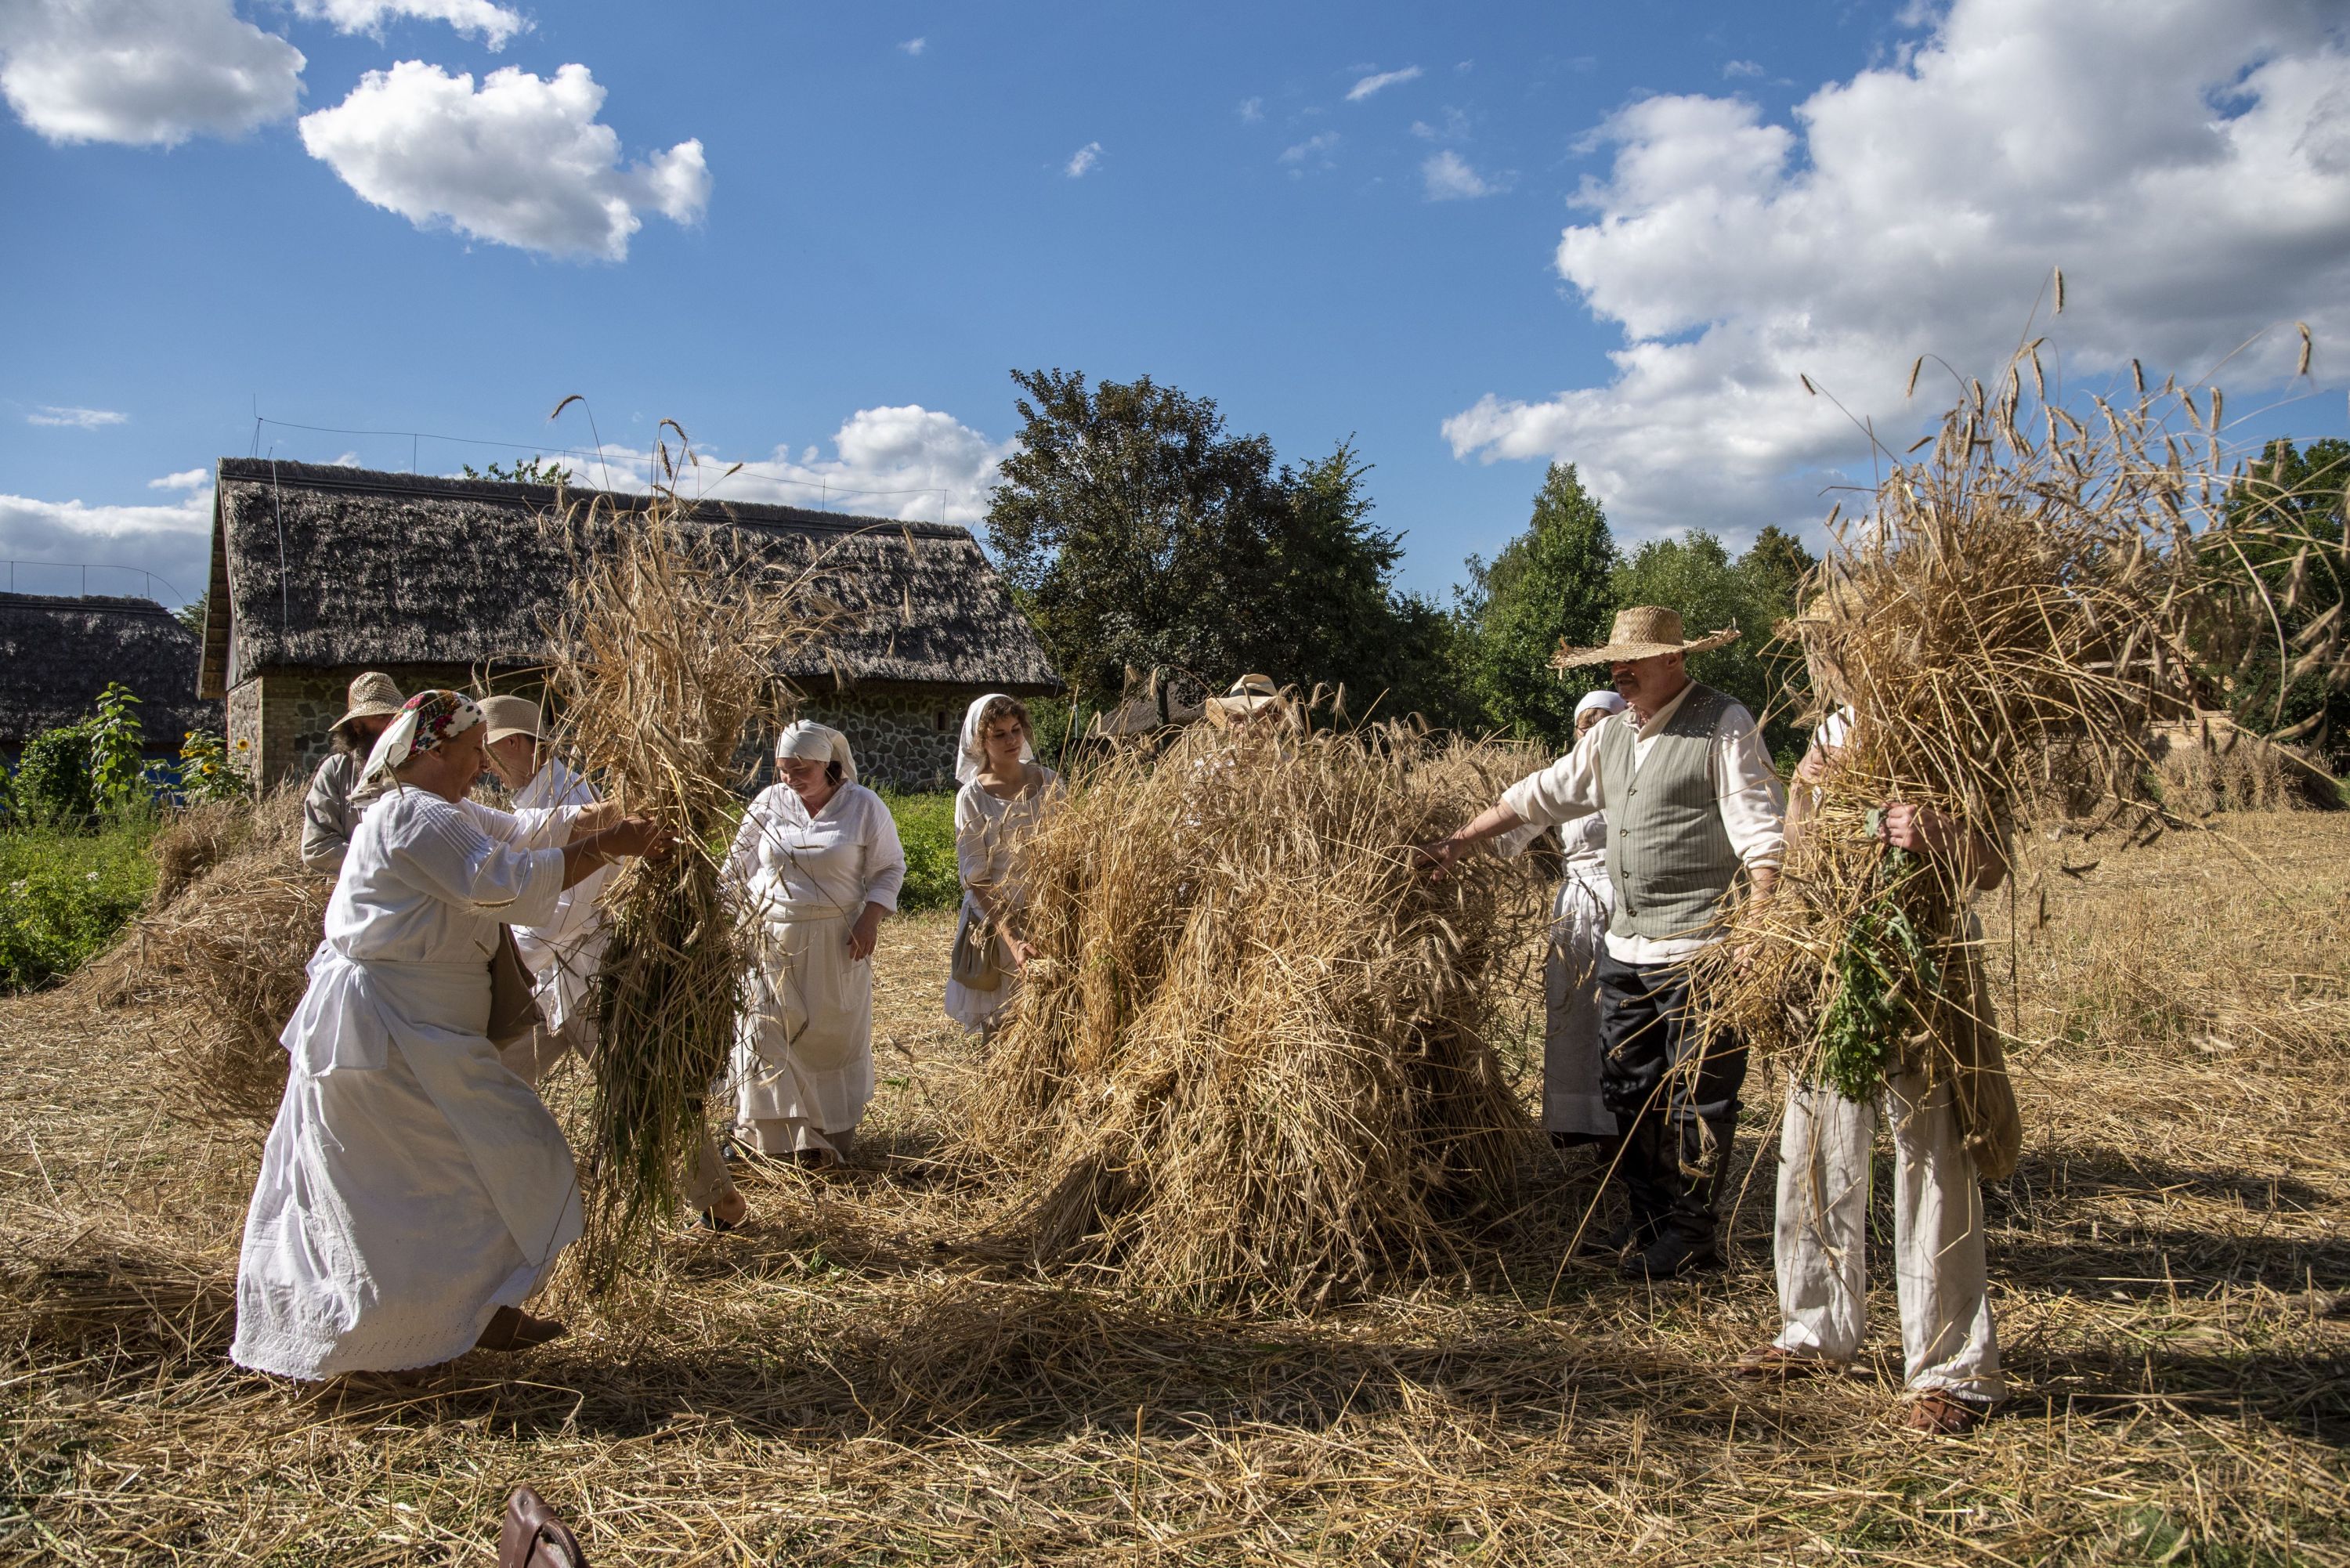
(424, 722)
(972, 754)
(1606, 700)
(817, 743)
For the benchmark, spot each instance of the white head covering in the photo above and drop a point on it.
(817, 743)
(424, 722)
(1605, 700)
(972, 754)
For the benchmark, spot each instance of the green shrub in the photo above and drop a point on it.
(207, 773)
(53, 777)
(63, 897)
(926, 827)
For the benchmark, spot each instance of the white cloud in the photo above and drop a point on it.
(186, 479)
(1083, 160)
(1741, 68)
(1449, 178)
(2195, 188)
(493, 25)
(1454, 128)
(1382, 79)
(1251, 109)
(915, 45)
(147, 73)
(74, 418)
(1314, 152)
(521, 162)
(173, 542)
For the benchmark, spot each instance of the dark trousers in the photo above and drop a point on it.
(1676, 1099)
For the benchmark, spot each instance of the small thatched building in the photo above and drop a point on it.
(58, 653)
(318, 573)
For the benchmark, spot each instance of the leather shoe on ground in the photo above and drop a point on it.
(1610, 1245)
(1944, 1414)
(1672, 1256)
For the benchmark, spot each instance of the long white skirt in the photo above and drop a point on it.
(973, 1009)
(400, 1204)
(804, 1048)
(1571, 1047)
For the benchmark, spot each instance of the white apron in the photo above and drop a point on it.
(1578, 936)
(803, 1050)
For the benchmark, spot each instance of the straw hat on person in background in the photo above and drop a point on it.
(1644, 631)
(1250, 695)
(512, 716)
(372, 695)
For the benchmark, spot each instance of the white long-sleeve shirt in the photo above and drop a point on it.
(1745, 788)
(786, 865)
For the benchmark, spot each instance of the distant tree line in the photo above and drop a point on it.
(1139, 534)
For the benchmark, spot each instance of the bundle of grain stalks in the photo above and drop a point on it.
(668, 666)
(1252, 1060)
(2017, 613)
(221, 962)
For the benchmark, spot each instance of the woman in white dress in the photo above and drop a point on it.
(1572, 1112)
(1005, 793)
(816, 869)
(414, 1192)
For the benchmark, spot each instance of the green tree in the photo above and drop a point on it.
(1776, 563)
(2289, 509)
(1139, 533)
(1551, 583)
(192, 613)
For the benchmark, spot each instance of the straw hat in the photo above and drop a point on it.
(372, 695)
(511, 716)
(1644, 631)
(1249, 693)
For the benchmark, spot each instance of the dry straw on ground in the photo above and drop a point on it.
(669, 665)
(1252, 1060)
(218, 965)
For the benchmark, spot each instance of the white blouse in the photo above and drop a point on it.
(990, 832)
(789, 866)
(429, 882)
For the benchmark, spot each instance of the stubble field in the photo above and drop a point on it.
(857, 1377)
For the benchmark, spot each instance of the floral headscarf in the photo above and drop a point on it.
(424, 722)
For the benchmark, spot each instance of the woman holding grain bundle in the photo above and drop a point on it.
(814, 869)
(414, 1192)
(1005, 793)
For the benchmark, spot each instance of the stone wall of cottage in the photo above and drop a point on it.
(904, 737)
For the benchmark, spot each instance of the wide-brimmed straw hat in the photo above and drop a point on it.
(372, 695)
(1644, 631)
(1249, 693)
(511, 716)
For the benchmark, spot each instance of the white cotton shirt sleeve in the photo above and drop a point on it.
(1564, 791)
(885, 856)
(449, 855)
(1745, 784)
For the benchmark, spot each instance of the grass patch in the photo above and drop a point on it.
(926, 827)
(65, 895)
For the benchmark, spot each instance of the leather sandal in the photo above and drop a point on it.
(1944, 1414)
(511, 1329)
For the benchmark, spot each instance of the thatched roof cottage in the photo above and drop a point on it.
(58, 653)
(318, 573)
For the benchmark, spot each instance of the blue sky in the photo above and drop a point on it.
(1470, 238)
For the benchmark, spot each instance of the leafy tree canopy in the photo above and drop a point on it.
(1551, 583)
(2288, 513)
(1138, 532)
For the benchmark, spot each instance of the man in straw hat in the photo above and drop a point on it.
(1693, 809)
(338, 796)
(563, 954)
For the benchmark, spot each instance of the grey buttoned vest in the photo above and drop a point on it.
(1668, 853)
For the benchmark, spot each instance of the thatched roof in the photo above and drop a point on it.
(56, 654)
(316, 567)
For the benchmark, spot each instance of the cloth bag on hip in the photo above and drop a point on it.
(1981, 1094)
(975, 966)
(514, 1000)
